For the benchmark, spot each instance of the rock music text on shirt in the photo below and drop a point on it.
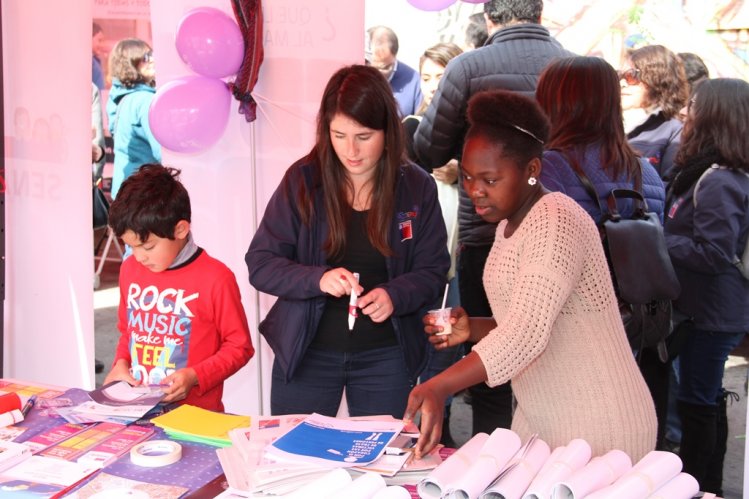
(159, 323)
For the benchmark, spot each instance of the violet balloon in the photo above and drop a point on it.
(210, 42)
(190, 114)
(431, 4)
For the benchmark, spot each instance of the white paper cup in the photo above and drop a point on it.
(442, 318)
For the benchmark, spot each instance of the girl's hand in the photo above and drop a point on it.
(338, 282)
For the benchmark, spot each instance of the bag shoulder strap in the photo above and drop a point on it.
(635, 194)
(740, 262)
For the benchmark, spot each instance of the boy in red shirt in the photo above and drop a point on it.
(181, 319)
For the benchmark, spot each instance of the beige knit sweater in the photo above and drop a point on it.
(559, 335)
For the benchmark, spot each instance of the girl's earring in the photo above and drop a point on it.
(532, 181)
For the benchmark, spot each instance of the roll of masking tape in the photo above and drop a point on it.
(155, 453)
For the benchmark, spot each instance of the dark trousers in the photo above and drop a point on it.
(376, 382)
(657, 376)
(492, 407)
(702, 405)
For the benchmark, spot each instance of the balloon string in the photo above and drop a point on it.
(249, 15)
(283, 108)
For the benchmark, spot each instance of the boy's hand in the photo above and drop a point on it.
(177, 385)
(121, 372)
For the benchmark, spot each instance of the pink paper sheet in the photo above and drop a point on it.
(514, 484)
(453, 467)
(682, 486)
(499, 448)
(597, 474)
(559, 467)
(647, 476)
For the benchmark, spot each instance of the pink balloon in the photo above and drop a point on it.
(431, 4)
(190, 114)
(210, 42)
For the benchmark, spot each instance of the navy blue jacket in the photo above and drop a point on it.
(557, 175)
(512, 59)
(286, 259)
(658, 140)
(702, 242)
(406, 85)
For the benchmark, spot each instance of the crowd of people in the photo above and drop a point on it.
(469, 170)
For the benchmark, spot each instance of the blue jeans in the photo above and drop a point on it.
(376, 382)
(702, 363)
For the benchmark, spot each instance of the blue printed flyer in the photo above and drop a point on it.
(334, 442)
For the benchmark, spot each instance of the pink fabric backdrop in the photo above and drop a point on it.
(304, 43)
(49, 240)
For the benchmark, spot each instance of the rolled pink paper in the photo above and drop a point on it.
(363, 487)
(597, 474)
(560, 466)
(514, 484)
(499, 448)
(682, 486)
(453, 467)
(648, 475)
(392, 492)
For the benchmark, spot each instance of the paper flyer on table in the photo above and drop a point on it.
(335, 442)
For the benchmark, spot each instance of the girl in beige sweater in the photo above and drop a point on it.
(556, 331)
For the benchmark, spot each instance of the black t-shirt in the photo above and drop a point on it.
(359, 256)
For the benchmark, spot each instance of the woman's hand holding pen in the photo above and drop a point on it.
(338, 282)
(376, 304)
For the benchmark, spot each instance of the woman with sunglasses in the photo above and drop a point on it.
(706, 229)
(133, 87)
(653, 81)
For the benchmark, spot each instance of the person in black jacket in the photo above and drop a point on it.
(354, 216)
(513, 57)
(706, 231)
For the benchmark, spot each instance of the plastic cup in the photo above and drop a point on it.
(442, 318)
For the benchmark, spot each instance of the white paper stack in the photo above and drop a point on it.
(364, 487)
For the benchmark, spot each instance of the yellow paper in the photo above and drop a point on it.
(201, 423)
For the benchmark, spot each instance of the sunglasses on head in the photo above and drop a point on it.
(631, 76)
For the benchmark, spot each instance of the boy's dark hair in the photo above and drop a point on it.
(150, 201)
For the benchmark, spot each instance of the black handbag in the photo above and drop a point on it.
(643, 276)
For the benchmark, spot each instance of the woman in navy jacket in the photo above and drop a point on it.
(705, 234)
(581, 96)
(353, 205)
